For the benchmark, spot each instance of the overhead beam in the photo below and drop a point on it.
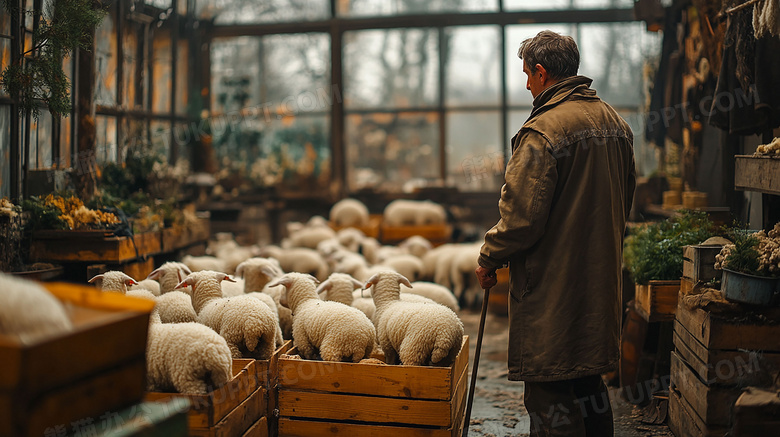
(429, 20)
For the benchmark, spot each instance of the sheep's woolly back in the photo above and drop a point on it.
(350, 238)
(252, 270)
(271, 304)
(333, 330)
(176, 307)
(310, 237)
(415, 333)
(435, 292)
(198, 263)
(140, 293)
(408, 265)
(28, 311)
(231, 289)
(248, 325)
(113, 281)
(416, 245)
(299, 260)
(349, 212)
(186, 357)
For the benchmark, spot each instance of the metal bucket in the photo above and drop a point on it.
(744, 288)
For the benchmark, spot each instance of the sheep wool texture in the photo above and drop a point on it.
(175, 307)
(271, 304)
(147, 284)
(169, 275)
(299, 260)
(339, 287)
(349, 212)
(416, 333)
(363, 301)
(336, 331)
(248, 325)
(113, 280)
(28, 311)
(186, 357)
(435, 292)
(408, 265)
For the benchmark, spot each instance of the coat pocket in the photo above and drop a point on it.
(518, 279)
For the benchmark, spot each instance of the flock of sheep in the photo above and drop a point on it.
(344, 296)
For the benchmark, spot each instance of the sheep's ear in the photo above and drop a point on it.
(240, 269)
(269, 271)
(357, 284)
(96, 278)
(185, 269)
(402, 280)
(316, 281)
(228, 278)
(156, 274)
(284, 280)
(130, 281)
(372, 280)
(325, 286)
(187, 282)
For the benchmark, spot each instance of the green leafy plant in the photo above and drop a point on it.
(37, 76)
(655, 251)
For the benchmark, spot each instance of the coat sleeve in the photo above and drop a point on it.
(526, 198)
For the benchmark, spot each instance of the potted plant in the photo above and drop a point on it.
(751, 267)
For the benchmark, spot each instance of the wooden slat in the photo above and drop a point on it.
(657, 301)
(139, 269)
(259, 429)
(364, 408)
(715, 333)
(712, 403)
(207, 410)
(724, 367)
(414, 382)
(308, 428)
(699, 262)
(266, 370)
(757, 174)
(114, 250)
(89, 297)
(91, 397)
(238, 421)
(458, 403)
(683, 422)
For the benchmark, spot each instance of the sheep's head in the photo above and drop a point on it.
(113, 281)
(288, 280)
(181, 270)
(338, 278)
(384, 275)
(193, 278)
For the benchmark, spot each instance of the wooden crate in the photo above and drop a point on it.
(657, 301)
(172, 239)
(756, 413)
(318, 398)
(211, 409)
(72, 246)
(97, 367)
(259, 429)
(433, 233)
(699, 263)
(683, 422)
(266, 373)
(371, 230)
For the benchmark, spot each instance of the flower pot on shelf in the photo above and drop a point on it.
(750, 289)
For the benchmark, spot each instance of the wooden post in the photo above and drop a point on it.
(85, 168)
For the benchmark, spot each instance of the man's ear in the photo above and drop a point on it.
(542, 72)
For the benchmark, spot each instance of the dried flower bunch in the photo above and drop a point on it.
(7, 208)
(755, 254)
(771, 149)
(67, 212)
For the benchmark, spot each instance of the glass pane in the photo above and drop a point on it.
(40, 153)
(392, 151)
(235, 73)
(473, 68)
(270, 11)
(161, 71)
(613, 56)
(132, 135)
(515, 78)
(294, 65)
(105, 62)
(515, 5)
(475, 161)
(130, 47)
(106, 139)
(5, 150)
(183, 74)
(161, 139)
(5, 44)
(357, 8)
(395, 68)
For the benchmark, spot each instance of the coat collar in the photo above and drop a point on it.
(560, 91)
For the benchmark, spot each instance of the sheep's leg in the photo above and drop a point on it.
(234, 351)
(414, 351)
(391, 357)
(305, 348)
(330, 352)
(191, 386)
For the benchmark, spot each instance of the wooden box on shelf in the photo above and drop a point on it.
(699, 263)
(92, 246)
(97, 367)
(319, 398)
(657, 301)
(436, 234)
(370, 230)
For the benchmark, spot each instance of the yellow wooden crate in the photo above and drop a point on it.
(319, 398)
(99, 366)
(371, 230)
(436, 234)
(657, 301)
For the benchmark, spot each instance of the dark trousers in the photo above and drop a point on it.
(576, 407)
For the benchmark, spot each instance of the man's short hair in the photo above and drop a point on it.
(557, 53)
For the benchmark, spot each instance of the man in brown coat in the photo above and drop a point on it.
(569, 187)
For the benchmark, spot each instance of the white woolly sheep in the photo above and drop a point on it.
(462, 267)
(369, 248)
(232, 289)
(412, 212)
(339, 288)
(198, 263)
(416, 333)
(147, 284)
(416, 245)
(247, 324)
(169, 275)
(408, 265)
(186, 357)
(270, 303)
(435, 292)
(334, 330)
(28, 311)
(349, 212)
(363, 301)
(257, 273)
(310, 237)
(430, 259)
(300, 260)
(172, 306)
(350, 238)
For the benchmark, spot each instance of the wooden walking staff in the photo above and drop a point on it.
(476, 363)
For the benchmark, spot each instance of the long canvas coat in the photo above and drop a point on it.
(569, 188)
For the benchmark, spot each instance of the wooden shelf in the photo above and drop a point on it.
(757, 174)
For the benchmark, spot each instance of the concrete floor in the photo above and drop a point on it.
(498, 409)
